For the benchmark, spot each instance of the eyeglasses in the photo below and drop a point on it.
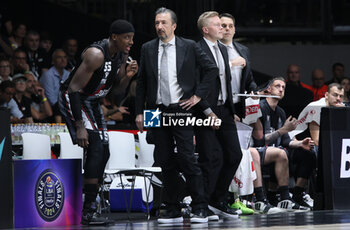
(19, 81)
(225, 25)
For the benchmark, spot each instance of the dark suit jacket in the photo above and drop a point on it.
(215, 89)
(247, 81)
(188, 59)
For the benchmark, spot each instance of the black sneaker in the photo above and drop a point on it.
(92, 217)
(170, 216)
(223, 209)
(212, 216)
(199, 216)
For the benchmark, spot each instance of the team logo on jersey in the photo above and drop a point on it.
(49, 195)
(151, 118)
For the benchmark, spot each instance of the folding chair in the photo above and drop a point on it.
(70, 151)
(36, 146)
(122, 162)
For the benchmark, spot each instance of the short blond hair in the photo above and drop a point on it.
(203, 19)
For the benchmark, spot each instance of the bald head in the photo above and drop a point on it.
(293, 73)
(317, 78)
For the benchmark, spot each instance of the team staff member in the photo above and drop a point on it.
(168, 79)
(242, 77)
(103, 64)
(219, 150)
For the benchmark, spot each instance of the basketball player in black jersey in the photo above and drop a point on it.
(103, 64)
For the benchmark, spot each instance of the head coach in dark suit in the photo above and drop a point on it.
(219, 151)
(168, 79)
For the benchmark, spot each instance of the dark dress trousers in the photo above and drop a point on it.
(189, 57)
(219, 151)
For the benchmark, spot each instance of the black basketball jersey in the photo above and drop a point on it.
(104, 77)
(272, 121)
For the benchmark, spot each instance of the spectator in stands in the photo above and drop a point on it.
(112, 113)
(129, 102)
(19, 62)
(5, 23)
(296, 95)
(36, 56)
(70, 46)
(52, 79)
(46, 44)
(318, 88)
(7, 92)
(346, 85)
(275, 127)
(45, 41)
(40, 107)
(23, 102)
(18, 35)
(124, 115)
(338, 73)
(5, 70)
(5, 32)
(5, 48)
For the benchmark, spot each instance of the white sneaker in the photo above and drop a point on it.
(264, 207)
(290, 206)
(307, 199)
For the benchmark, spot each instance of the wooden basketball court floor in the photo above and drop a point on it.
(321, 220)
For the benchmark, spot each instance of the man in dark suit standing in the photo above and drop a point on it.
(241, 73)
(168, 79)
(219, 150)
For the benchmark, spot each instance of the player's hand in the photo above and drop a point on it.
(254, 98)
(189, 103)
(307, 143)
(82, 135)
(290, 124)
(132, 69)
(139, 122)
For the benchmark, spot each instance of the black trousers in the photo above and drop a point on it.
(183, 160)
(219, 154)
(301, 162)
